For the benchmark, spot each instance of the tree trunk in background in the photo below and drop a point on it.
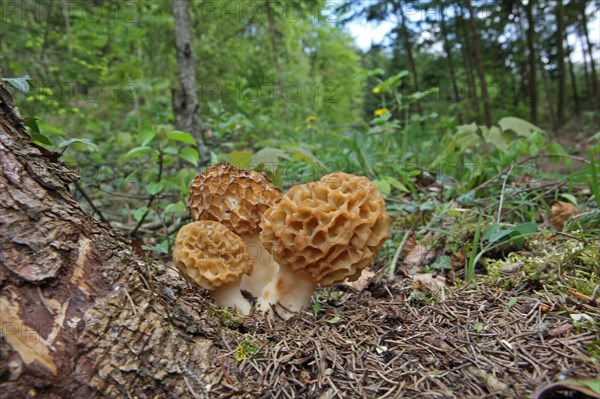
(468, 60)
(479, 62)
(82, 316)
(547, 92)
(593, 72)
(587, 93)
(560, 59)
(448, 50)
(409, 56)
(576, 104)
(531, 80)
(273, 34)
(185, 100)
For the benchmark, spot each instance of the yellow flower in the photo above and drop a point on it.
(381, 111)
(377, 89)
(311, 118)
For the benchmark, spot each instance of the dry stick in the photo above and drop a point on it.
(392, 266)
(89, 201)
(502, 193)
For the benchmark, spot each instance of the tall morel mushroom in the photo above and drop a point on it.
(321, 233)
(211, 256)
(237, 198)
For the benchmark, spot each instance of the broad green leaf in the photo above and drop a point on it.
(138, 150)
(268, 156)
(146, 136)
(31, 123)
(171, 150)
(240, 159)
(526, 228)
(155, 188)
(178, 209)
(51, 129)
(181, 136)
(21, 84)
(491, 230)
(466, 136)
(569, 197)
(383, 186)
(139, 213)
(162, 248)
(88, 142)
(495, 137)
(500, 234)
(40, 138)
(396, 184)
(189, 154)
(519, 126)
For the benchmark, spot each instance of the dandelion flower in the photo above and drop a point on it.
(381, 111)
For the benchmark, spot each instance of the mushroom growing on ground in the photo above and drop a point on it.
(321, 233)
(237, 198)
(211, 256)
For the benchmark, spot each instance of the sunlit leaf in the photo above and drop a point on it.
(181, 136)
(138, 150)
(519, 126)
(190, 155)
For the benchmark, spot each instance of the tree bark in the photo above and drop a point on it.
(274, 49)
(531, 81)
(560, 59)
(590, 51)
(547, 92)
(576, 103)
(480, 68)
(185, 100)
(409, 55)
(448, 51)
(82, 316)
(468, 60)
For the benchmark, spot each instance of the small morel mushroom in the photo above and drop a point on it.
(321, 233)
(237, 198)
(211, 256)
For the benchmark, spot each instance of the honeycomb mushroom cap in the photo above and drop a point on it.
(210, 255)
(237, 198)
(332, 228)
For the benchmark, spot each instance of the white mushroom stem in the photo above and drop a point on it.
(229, 294)
(288, 293)
(265, 266)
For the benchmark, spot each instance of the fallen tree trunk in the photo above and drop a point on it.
(81, 315)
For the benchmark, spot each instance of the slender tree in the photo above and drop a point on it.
(479, 62)
(467, 53)
(590, 50)
(560, 60)
(448, 51)
(531, 59)
(576, 102)
(185, 100)
(404, 35)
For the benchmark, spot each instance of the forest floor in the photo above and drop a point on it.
(508, 336)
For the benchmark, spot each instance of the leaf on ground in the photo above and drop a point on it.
(561, 212)
(570, 389)
(432, 281)
(363, 281)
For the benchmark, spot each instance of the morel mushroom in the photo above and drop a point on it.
(321, 233)
(211, 256)
(237, 198)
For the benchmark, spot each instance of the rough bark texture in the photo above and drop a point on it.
(409, 55)
(531, 80)
(82, 316)
(560, 59)
(479, 62)
(185, 100)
